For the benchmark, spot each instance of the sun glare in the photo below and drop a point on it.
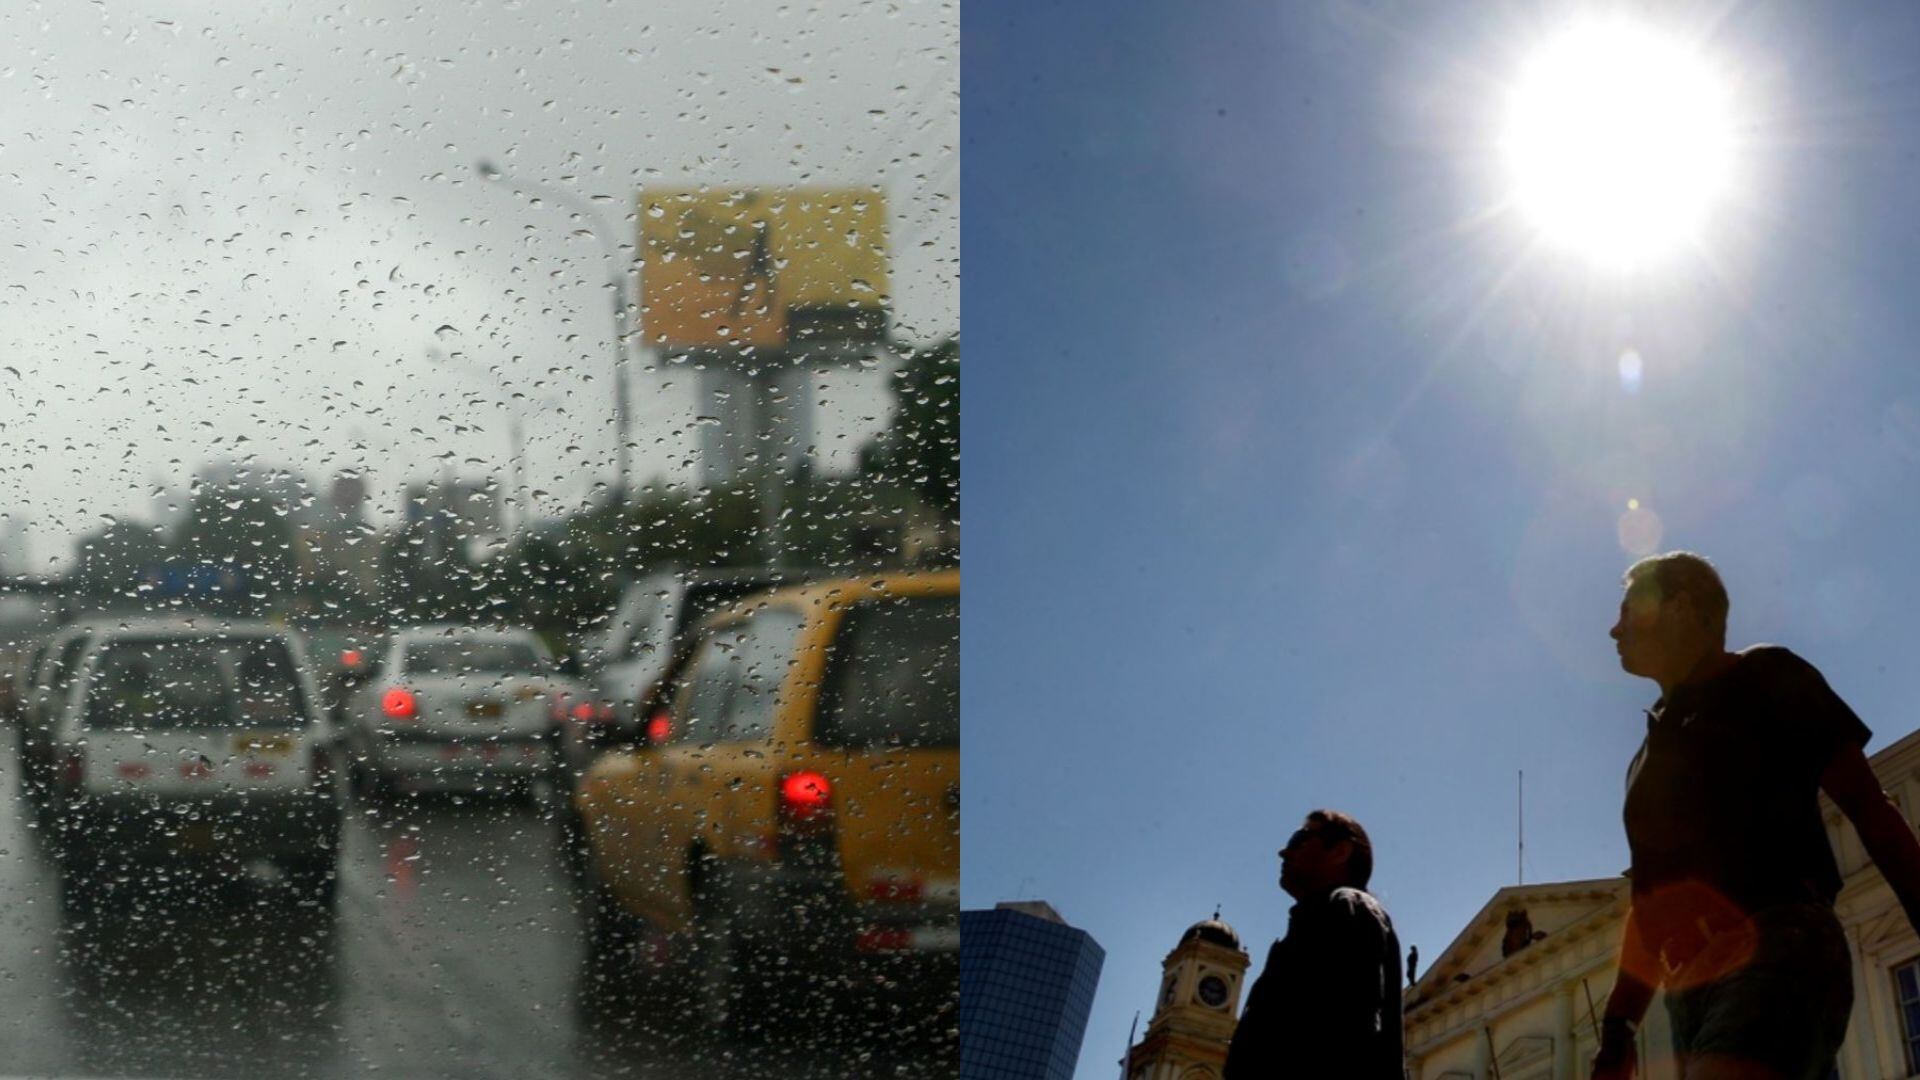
(1619, 142)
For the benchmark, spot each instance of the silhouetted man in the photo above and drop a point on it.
(1733, 878)
(1327, 1004)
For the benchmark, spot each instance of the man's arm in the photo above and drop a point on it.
(1889, 840)
(1638, 978)
(1633, 989)
(1354, 975)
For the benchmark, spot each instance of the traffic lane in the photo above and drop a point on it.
(200, 984)
(474, 893)
(455, 950)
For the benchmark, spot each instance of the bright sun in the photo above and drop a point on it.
(1619, 142)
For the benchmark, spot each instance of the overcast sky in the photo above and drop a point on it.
(238, 230)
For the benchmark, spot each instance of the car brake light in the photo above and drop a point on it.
(906, 890)
(74, 771)
(805, 795)
(883, 941)
(659, 728)
(805, 832)
(351, 658)
(134, 770)
(399, 703)
(259, 770)
(583, 712)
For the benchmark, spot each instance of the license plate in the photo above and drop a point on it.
(484, 709)
(265, 745)
(195, 837)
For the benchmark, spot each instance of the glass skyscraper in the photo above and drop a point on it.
(1026, 986)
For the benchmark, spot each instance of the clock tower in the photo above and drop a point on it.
(1198, 1006)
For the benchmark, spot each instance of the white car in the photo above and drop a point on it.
(48, 677)
(183, 741)
(451, 707)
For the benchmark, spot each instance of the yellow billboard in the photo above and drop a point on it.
(762, 267)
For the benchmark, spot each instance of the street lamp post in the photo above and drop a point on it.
(616, 287)
(516, 440)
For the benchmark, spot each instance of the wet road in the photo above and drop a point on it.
(455, 951)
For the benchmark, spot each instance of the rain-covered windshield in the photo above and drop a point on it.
(410, 338)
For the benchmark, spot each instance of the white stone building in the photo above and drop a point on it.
(1509, 999)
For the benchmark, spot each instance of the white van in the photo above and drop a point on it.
(192, 741)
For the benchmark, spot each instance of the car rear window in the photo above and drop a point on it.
(894, 676)
(737, 674)
(60, 668)
(707, 597)
(164, 684)
(473, 657)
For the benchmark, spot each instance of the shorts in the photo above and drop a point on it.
(1785, 1008)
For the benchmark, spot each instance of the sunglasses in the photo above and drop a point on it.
(1299, 837)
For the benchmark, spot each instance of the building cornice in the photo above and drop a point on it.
(1489, 923)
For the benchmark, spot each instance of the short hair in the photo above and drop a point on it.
(1685, 573)
(1333, 827)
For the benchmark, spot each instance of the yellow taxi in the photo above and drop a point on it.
(800, 825)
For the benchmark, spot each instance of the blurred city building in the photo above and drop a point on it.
(335, 547)
(468, 513)
(1027, 980)
(1519, 992)
(1198, 1007)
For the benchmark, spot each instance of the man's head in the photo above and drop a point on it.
(1329, 851)
(1672, 615)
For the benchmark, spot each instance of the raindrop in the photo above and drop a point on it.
(1631, 370)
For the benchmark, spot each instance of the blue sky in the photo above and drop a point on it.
(1296, 469)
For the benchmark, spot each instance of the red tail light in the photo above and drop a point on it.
(805, 832)
(351, 658)
(805, 796)
(659, 728)
(905, 890)
(583, 712)
(133, 770)
(400, 704)
(74, 769)
(883, 940)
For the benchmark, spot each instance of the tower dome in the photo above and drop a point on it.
(1212, 930)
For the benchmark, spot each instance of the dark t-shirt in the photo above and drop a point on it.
(1723, 798)
(1327, 1003)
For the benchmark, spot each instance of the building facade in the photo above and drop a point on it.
(1518, 994)
(1199, 1005)
(1026, 986)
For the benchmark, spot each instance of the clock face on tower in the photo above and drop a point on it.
(1213, 991)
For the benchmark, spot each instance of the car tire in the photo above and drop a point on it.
(370, 784)
(81, 890)
(575, 851)
(316, 880)
(610, 974)
(732, 985)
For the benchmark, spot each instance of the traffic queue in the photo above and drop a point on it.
(754, 775)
